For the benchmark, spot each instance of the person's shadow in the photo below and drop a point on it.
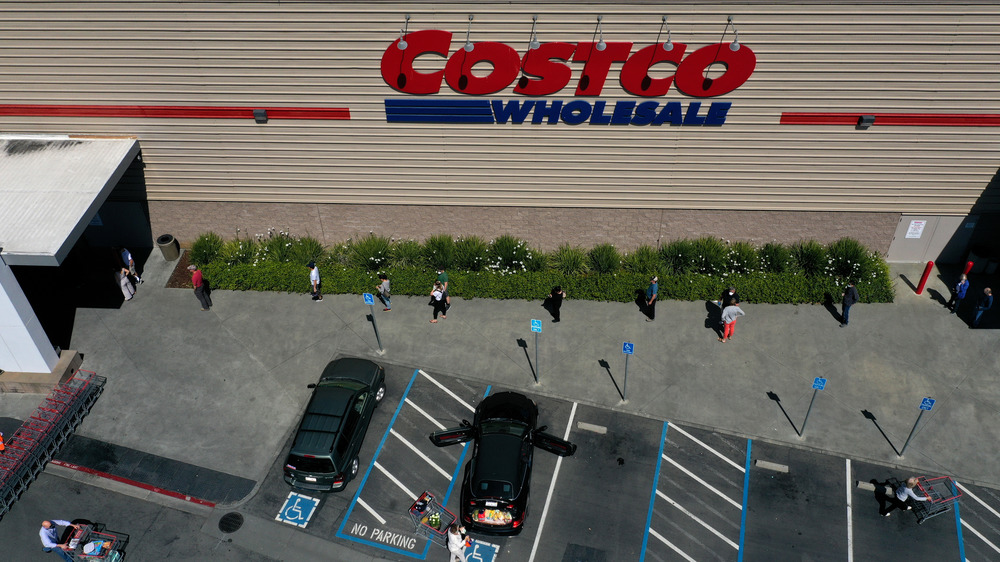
(547, 305)
(831, 307)
(640, 301)
(882, 491)
(713, 320)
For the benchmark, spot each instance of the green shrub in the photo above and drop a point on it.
(604, 258)
(509, 254)
(239, 251)
(643, 260)
(305, 250)
(711, 255)
(407, 253)
(810, 257)
(679, 257)
(371, 253)
(471, 253)
(570, 260)
(742, 258)
(205, 249)
(275, 246)
(775, 258)
(440, 251)
(848, 259)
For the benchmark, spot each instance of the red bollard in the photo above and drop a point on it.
(923, 278)
(968, 268)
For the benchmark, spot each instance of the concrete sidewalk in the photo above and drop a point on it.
(222, 389)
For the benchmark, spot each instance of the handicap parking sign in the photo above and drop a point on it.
(369, 298)
(298, 509)
(536, 325)
(479, 551)
(927, 404)
(819, 383)
(628, 348)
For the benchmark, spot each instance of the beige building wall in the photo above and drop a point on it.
(870, 57)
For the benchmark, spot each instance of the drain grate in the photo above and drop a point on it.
(231, 522)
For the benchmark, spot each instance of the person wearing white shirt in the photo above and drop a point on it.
(902, 497)
(49, 534)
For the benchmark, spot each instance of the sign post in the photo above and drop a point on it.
(926, 405)
(536, 327)
(818, 385)
(628, 348)
(370, 301)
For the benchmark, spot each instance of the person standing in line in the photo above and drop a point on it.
(651, 292)
(958, 293)
(985, 303)
(314, 281)
(849, 298)
(556, 298)
(903, 497)
(49, 534)
(727, 295)
(730, 313)
(128, 291)
(130, 264)
(456, 543)
(443, 279)
(383, 292)
(437, 301)
(199, 288)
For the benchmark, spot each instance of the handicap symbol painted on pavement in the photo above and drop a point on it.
(927, 404)
(819, 383)
(628, 348)
(480, 551)
(536, 325)
(298, 509)
(369, 298)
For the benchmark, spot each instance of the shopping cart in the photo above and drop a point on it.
(431, 519)
(942, 491)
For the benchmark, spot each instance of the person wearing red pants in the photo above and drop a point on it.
(730, 313)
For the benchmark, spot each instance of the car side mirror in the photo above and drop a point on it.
(311, 385)
(466, 423)
(541, 429)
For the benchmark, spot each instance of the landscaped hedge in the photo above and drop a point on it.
(507, 268)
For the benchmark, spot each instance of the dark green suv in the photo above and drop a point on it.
(324, 454)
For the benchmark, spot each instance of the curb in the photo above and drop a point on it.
(134, 483)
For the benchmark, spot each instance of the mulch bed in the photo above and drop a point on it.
(181, 277)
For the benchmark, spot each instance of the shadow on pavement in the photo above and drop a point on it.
(777, 401)
(831, 307)
(523, 344)
(713, 318)
(871, 416)
(607, 367)
(908, 283)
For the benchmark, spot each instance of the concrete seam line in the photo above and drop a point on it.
(771, 466)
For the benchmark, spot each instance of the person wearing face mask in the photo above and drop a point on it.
(729, 294)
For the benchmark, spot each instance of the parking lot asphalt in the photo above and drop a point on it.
(222, 390)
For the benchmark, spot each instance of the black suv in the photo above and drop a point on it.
(498, 476)
(324, 455)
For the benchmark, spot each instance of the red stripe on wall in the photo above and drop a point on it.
(922, 119)
(173, 111)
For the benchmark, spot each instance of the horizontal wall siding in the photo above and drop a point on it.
(870, 58)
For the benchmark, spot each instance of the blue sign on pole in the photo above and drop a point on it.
(536, 325)
(298, 509)
(819, 383)
(927, 404)
(628, 348)
(369, 298)
(481, 551)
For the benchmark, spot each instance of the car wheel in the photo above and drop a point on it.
(354, 468)
(380, 393)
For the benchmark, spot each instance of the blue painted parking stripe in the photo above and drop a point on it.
(454, 477)
(350, 508)
(652, 494)
(958, 527)
(746, 491)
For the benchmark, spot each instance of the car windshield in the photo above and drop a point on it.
(503, 427)
(310, 464)
(343, 383)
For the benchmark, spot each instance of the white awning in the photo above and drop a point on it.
(51, 186)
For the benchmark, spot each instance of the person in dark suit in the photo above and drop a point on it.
(850, 298)
(985, 303)
(555, 301)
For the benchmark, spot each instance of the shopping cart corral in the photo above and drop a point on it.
(942, 491)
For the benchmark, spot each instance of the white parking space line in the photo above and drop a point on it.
(850, 516)
(421, 455)
(973, 496)
(980, 535)
(425, 414)
(552, 487)
(697, 520)
(450, 393)
(703, 483)
(396, 482)
(671, 545)
(362, 503)
(709, 449)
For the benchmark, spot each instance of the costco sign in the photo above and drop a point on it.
(546, 71)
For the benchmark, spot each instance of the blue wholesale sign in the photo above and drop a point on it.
(536, 325)
(628, 348)
(369, 298)
(819, 384)
(480, 551)
(298, 509)
(927, 404)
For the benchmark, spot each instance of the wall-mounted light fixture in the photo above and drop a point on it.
(468, 44)
(260, 115)
(669, 45)
(533, 40)
(601, 45)
(735, 45)
(865, 121)
(402, 45)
